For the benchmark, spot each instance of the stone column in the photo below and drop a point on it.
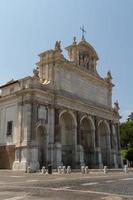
(20, 122)
(19, 136)
(108, 148)
(113, 146)
(119, 159)
(78, 129)
(24, 129)
(25, 151)
(111, 135)
(27, 122)
(57, 139)
(51, 129)
(93, 149)
(57, 134)
(34, 118)
(112, 153)
(98, 160)
(80, 151)
(75, 159)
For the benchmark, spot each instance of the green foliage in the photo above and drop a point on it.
(126, 134)
(123, 153)
(129, 154)
(130, 117)
(126, 137)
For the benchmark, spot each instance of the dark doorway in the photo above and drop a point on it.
(41, 142)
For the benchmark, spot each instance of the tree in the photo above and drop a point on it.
(129, 155)
(126, 137)
(126, 134)
(130, 117)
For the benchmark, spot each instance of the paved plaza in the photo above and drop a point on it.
(111, 186)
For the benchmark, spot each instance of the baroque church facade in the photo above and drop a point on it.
(62, 114)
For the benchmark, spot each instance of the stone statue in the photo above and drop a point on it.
(58, 45)
(108, 78)
(116, 107)
(74, 40)
(35, 73)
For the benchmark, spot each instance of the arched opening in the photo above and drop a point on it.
(104, 144)
(86, 138)
(41, 143)
(68, 133)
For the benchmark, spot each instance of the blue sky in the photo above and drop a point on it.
(28, 27)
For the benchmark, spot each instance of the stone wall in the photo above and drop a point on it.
(75, 83)
(8, 112)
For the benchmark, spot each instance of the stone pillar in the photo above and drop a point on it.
(27, 122)
(93, 149)
(98, 160)
(20, 124)
(75, 158)
(96, 132)
(24, 112)
(57, 140)
(27, 116)
(111, 135)
(109, 153)
(51, 129)
(19, 136)
(113, 160)
(118, 136)
(78, 129)
(34, 118)
(119, 159)
(24, 134)
(80, 150)
(57, 133)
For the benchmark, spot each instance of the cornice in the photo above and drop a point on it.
(8, 98)
(33, 91)
(95, 110)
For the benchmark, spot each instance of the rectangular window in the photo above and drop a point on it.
(9, 128)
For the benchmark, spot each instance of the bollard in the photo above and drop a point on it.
(82, 169)
(86, 170)
(49, 169)
(43, 170)
(126, 169)
(59, 170)
(28, 170)
(68, 169)
(105, 169)
(64, 170)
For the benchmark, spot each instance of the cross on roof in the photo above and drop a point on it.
(83, 32)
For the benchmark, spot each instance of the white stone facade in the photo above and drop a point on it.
(61, 115)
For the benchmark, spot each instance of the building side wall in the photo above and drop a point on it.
(8, 112)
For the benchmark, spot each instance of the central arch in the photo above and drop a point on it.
(42, 146)
(87, 139)
(68, 138)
